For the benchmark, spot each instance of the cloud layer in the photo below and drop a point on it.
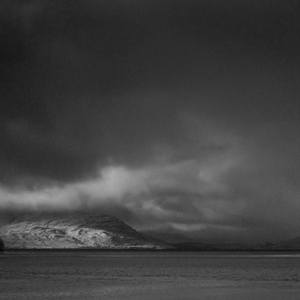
(173, 115)
(221, 195)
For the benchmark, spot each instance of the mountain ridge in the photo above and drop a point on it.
(73, 231)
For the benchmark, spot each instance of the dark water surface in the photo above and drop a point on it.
(149, 275)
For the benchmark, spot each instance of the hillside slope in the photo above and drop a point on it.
(72, 232)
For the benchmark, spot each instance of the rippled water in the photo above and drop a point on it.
(148, 275)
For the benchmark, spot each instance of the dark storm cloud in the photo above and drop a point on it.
(182, 114)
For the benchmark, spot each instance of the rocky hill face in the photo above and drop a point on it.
(72, 232)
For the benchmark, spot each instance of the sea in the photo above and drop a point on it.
(149, 275)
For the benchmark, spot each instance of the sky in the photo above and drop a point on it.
(176, 116)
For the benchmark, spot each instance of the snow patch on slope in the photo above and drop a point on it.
(101, 232)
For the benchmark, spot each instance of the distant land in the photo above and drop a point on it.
(291, 244)
(183, 242)
(1, 245)
(94, 231)
(77, 231)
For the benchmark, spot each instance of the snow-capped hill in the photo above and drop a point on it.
(77, 231)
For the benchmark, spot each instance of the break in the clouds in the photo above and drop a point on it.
(174, 115)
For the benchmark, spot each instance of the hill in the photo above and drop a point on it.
(73, 232)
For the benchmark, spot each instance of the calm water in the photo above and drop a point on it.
(148, 275)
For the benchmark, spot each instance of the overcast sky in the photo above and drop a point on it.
(173, 115)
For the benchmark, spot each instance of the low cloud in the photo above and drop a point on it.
(221, 194)
(180, 117)
(156, 190)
